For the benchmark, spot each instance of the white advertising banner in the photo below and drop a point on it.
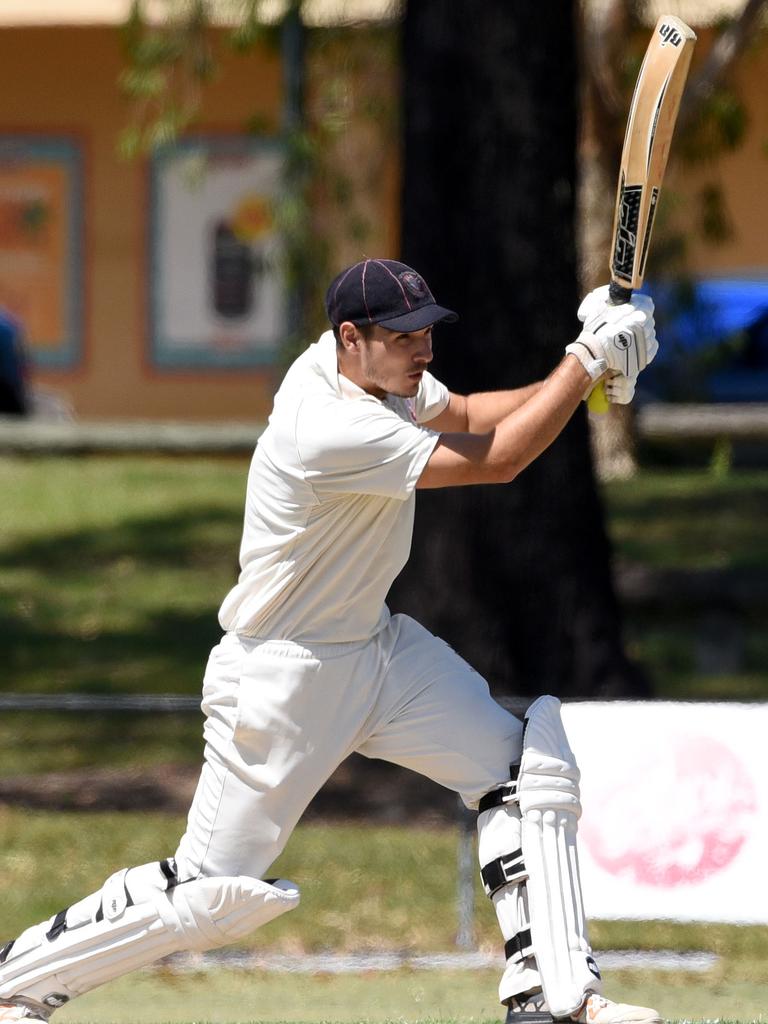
(675, 821)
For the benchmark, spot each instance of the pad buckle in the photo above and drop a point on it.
(505, 794)
(509, 793)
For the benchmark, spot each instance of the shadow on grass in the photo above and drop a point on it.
(194, 538)
(84, 610)
(166, 655)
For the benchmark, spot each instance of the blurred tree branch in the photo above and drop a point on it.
(734, 39)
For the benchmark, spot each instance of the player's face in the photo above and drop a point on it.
(392, 363)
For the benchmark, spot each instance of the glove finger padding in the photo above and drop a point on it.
(592, 304)
(620, 390)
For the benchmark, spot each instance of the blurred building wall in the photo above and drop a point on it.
(58, 85)
(742, 174)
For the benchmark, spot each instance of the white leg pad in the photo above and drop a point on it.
(499, 840)
(138, 916)
(550, 806)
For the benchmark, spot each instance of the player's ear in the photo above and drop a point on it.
(350, 336)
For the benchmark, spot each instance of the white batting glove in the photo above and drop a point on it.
(620, 390)
(622, 339)
(597, 308)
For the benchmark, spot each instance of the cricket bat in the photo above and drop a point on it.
(650, 125)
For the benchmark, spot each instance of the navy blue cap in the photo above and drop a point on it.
(383, 292)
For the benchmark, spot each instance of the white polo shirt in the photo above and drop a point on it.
(329, 505)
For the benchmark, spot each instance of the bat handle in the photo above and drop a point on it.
(598, 400)
(617, 293)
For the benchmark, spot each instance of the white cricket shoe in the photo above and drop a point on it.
(599, 1010)
(12, 1012)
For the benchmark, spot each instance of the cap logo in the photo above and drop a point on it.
(413, 283)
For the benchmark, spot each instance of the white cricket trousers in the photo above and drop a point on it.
(281, 716)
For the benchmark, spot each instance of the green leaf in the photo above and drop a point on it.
(730, 116)
(158, 48)
(165, 129)
(246, 35)
(129, 142)
(143, 84)
(715, 221)
(133, 28)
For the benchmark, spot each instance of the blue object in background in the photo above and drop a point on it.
(713, 342)
(14, 399)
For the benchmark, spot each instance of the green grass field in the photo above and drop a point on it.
(694, 523)
(690, 519)
(400, 996)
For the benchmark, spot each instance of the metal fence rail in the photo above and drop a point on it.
(138, 702)
(104, 703)
(655, 421)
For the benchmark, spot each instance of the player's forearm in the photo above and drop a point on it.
(528, 431)
(523, 434)
(486, 409)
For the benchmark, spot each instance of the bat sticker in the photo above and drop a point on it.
(626, 231)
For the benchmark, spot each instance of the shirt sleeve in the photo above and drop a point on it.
(432, 398)
(361, 447)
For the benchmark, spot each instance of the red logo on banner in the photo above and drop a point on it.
(675, 819)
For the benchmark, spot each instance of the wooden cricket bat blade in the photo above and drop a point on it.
(650, 126)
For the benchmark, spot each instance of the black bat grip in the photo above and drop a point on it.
(618, 294)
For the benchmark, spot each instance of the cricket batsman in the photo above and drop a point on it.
(312, 666)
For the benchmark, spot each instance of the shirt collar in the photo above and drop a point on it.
(348, 388)
(327, 365)
(325, 358)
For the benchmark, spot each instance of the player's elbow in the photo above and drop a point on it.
(504, 472)
(460, 459)
(498, 466)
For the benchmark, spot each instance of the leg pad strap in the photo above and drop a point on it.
(519, 946)
(502, 871)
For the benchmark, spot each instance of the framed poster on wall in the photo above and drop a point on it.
(41, 244)
(216, 294)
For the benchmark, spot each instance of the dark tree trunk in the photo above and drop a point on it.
(516, 577)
